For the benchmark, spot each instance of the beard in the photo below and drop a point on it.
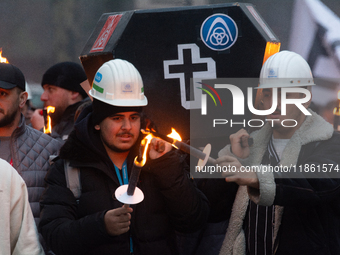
(8, 119)
(56, 116)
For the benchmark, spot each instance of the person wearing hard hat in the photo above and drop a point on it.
(63, 90)
(102, 147)
(282, 205)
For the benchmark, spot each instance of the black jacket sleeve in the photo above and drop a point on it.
(63, 232)
(319, 170)
(187, 206)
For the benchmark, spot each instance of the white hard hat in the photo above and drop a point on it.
(117, 82)
(285, 69)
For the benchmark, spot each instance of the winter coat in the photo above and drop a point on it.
(306, 209)
(63, 128)
(19, 233)
(171, 201)
(31, 151)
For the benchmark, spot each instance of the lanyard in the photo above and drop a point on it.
(126, 181)
(124, 172)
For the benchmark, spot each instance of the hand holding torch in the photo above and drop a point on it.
(175, 140)
(130, 194)
(203, 156)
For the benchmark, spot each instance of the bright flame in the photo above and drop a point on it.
(336, 110)
(48, 130)
(271, 49)
(174, 135)
(3, 60)
(50, 109)
(145, 142)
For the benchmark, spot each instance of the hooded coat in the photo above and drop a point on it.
(65, 125)
(171, 201)
(307, 204)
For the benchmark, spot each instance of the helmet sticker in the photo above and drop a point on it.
(127, 87)
(97, 88)
(272, 72)
(98, 77)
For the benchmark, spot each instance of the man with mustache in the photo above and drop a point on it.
(294, 209)
(102, 147)
(26, 149)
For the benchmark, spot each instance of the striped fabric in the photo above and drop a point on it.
(259, 221)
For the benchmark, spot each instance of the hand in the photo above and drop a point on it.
(239, 143)
(237, 174)
(117, 221)
(158, 148)
(37, 120)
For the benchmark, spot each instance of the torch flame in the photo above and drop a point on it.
(336, 110)
(48, 130)
(174, 135)
(145, 142)
(3, 60)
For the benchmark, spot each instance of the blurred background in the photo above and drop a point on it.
(36, 34)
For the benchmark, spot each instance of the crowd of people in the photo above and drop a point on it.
(59, 189)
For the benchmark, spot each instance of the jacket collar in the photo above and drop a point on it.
(20, 129)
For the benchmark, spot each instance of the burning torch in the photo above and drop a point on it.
(175, 139)
(336, 113)
(2, 59)
(47, 119)
(130, 194)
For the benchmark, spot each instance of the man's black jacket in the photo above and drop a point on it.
(171, 201)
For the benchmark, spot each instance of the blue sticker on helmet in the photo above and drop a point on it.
(98, 77)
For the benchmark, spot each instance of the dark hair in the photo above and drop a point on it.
(81, 108)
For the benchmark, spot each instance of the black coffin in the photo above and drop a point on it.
(169, 48)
